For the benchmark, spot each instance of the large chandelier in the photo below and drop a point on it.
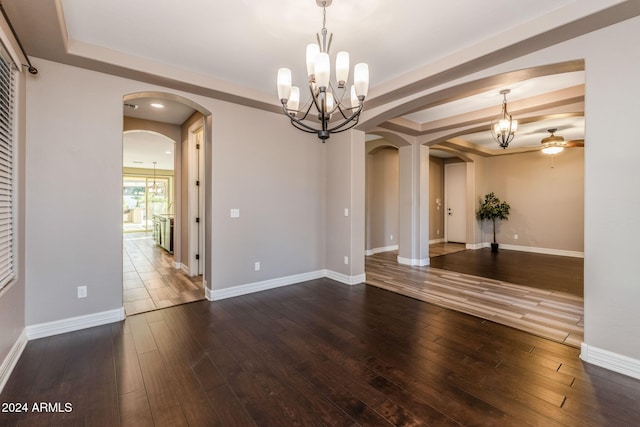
(327, 99)
(503, 127)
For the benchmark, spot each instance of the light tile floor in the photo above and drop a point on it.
(553, 315)
(150, 280)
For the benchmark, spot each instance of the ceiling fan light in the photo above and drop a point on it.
(552, 149)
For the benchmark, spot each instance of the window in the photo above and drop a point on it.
(7, 180)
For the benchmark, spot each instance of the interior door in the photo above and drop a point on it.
(196, 200)
(455, 199)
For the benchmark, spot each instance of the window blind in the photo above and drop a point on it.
(7, 180)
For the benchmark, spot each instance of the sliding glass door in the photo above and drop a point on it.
(143, 197)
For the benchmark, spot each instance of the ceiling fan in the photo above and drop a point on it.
(554, 144)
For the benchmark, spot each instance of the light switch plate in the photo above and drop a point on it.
(235, 213)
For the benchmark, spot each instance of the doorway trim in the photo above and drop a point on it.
(195, 198)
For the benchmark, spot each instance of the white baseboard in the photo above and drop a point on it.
(532, 249)
(547, 251)
(440, 240)
(609, 360)
(413, 262)
(235, 291)
(177, 265)
(185, 269)
(218, 294)
(374, 251)
(343, 278)
(74, 323)
(12, 358)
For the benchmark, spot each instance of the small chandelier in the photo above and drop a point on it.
(552, 144)
(503, 127)
(326, 99)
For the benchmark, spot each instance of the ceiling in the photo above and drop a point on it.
(144, 149)
(232, 49)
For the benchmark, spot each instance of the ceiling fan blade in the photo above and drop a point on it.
(574, 143)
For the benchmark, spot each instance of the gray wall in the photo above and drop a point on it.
(382, 198)
(547, 203)
(12, 296)
(436, 191)
(612, 199)
(274, 174)
(73, 221)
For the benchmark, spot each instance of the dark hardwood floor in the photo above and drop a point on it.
(551, 272)
(318, 353)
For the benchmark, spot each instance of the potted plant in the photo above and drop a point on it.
(492, 208)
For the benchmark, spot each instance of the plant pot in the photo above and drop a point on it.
(494, 247)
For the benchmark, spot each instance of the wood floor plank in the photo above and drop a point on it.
(135, 410)
(542, 311)
(318, 353)
(160, 388)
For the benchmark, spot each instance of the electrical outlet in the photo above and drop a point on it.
(346, 260)
(256, 266)
(235, 213)
(391, 237)
(438, 232)
(82, 291)
(515, 237)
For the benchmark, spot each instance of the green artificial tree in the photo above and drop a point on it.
(492, 208)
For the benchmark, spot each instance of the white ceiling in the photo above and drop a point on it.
(142, 148)
(246, 41)
(232, 49)
(173, 112)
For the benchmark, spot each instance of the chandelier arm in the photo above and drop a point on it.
(314, 98)
(308, 105)
(298, 124)
(342, 111)
(341, 127)
(353, 118)
(337, 101)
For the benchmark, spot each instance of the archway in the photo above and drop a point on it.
(169, 116)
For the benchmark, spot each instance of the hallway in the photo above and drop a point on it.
(150, 280)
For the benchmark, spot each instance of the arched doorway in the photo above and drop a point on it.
(160, 269)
